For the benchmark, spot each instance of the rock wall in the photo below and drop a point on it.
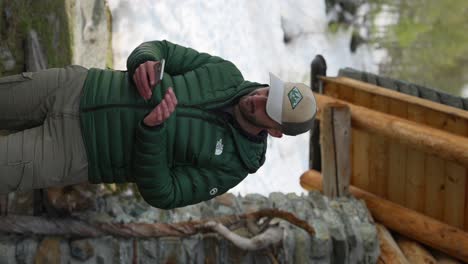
(345, 233)
(91, 32)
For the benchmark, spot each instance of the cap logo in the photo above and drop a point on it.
(295, 97)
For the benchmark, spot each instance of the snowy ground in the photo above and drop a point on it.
(250, 34)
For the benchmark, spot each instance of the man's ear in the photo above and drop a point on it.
(275, 132)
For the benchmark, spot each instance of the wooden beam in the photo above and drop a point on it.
(373, 89)
(444, 259)
(409, 223)
(335, 127)
(389, 250)
(425, 138)
(414, 252)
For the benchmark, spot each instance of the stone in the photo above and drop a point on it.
(303, 246)
(81, 249)
(7, 250)
(193, 246)
(150, 215)
(21, 203)
(90, 34)
(8, 14)
(35, 59)
(254, 202)
(344, 233)
(300, 207)
(211, 248)
(148, 250)
(54, 23)
(233, 254)
(186, 213)
(322, 242)
(7, 59)
(345, 207)
(337, 233)
(370, 242)
(123, 251)
(171, 250)
(280, 201)
(48, 251)
(25, 251)
(226, 204)
(115, 208)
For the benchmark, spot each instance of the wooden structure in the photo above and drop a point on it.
(411, 151)
(417, 226)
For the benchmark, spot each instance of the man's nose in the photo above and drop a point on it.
(260, 99)
(260, 96)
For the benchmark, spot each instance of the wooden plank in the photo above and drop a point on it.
(455, 181)
(435, 187)
(422, 137)
(378, 163)
(415, 167)
(397, 158)
(335, 124)
(342, 133)
(346, 93)
(328, 148)
(412, 100)
(361, 145)
(414, 225)
(332, 90)
(435, 172)
(389, 250)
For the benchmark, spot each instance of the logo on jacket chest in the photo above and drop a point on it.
(219, 147)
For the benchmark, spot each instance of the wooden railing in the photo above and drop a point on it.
(408, 150)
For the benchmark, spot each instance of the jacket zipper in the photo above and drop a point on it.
(101, 107)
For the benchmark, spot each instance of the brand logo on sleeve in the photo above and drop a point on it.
(213, 191)
(219, 147)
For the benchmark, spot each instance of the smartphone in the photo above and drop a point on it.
(159, 69)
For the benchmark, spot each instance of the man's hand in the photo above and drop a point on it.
(145, 78)
(163, 110)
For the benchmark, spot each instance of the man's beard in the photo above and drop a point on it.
(250, 118)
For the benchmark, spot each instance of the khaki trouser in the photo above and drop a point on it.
(47, 148)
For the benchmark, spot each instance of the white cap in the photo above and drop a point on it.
(292, 105)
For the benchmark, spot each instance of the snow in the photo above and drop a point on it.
(250, 34)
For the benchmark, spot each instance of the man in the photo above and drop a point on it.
(192, 136)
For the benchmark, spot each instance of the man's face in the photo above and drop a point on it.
(253, 108)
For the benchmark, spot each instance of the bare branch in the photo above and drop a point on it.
(271, 236)
(78, 228)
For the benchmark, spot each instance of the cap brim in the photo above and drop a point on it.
(274, 106)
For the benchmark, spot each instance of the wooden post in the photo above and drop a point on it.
(335, 141)
(318, 68)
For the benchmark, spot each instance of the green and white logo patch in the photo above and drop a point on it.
(295, 97)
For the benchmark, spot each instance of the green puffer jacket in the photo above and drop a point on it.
(195, 155)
